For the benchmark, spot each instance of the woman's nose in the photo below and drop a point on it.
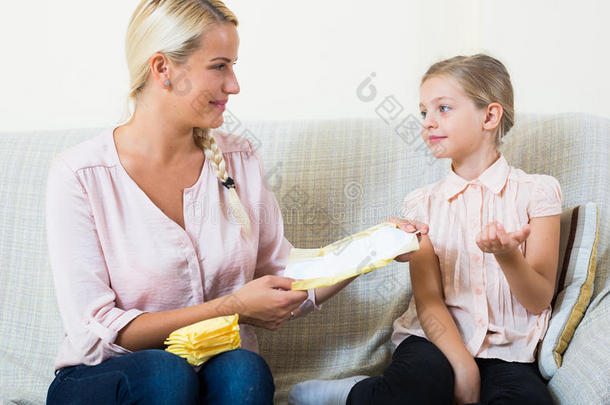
(232, 85)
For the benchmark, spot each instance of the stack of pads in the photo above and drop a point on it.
(198, 342)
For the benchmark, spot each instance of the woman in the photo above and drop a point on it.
(156, 224)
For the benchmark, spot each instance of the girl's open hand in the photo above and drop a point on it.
(494, 238)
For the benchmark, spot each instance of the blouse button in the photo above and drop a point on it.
(479, 291)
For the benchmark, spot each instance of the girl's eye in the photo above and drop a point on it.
(220, 67)
(423, 114)
(444, 108)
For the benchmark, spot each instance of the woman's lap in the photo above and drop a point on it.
(238, 376)
(159, 377)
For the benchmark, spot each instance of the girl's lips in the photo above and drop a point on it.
(436, 139)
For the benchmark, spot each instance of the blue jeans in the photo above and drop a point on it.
(159, 377)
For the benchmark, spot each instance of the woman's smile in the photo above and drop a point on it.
(220, 104)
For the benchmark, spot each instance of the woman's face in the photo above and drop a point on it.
(203, 84)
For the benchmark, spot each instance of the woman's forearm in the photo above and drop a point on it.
(533, 290)
(150, 329)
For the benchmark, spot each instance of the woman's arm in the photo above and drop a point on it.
(438, 324)
(531, 278)
(263, 302)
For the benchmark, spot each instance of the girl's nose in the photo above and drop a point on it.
(429, 122)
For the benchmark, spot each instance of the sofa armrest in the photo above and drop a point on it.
(584, 377)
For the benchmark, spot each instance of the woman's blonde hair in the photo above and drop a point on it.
(485, 80)
(175, 28)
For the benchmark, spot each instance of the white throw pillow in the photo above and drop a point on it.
(574, 286)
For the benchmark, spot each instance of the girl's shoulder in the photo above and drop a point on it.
(423, 193)
(533, 181)
(429, 191)
(416, 205)
(542, 192)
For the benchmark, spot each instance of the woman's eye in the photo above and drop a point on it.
(444, 108)
(423, 114)
(220, 67)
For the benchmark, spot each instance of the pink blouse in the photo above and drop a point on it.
(114, 254)
(491, 321)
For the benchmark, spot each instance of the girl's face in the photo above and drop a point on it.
(453, 125)
(203, 84)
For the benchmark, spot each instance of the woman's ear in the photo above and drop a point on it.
(493, 115)
(159, 68)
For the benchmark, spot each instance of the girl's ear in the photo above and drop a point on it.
(493, 115)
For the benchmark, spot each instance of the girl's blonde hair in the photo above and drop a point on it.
(485, 80)
(175, 28)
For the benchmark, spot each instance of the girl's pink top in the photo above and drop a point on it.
(491, 321)
(114, 254)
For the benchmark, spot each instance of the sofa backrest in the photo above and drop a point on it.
(332, 178)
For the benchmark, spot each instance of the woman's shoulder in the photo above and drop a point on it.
(93, 152)
(230, 143)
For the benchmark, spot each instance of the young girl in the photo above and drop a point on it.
(484, 276)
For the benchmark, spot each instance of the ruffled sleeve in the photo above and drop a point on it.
(414, 206)
(546, 199)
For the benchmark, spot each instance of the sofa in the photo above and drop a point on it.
(332, 178)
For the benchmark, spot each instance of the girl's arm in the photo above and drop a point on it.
(531, 278)
(438, 324)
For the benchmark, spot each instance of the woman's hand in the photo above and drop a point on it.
(409, 227)
(494, 239)
(267, 301)
(467, 383)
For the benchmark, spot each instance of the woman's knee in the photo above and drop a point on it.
(148, 376)
(167, 379)
(237, 376)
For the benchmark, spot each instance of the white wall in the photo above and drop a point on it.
(63, 62)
